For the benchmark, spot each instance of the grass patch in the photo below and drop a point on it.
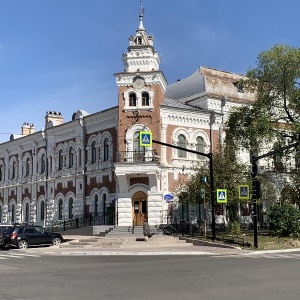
(265, 242)
(272, 243)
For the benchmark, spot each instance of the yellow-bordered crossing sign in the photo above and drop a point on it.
(244, 193)
(221, 196)
(146, 138)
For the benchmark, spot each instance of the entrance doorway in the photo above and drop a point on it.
(139, 208)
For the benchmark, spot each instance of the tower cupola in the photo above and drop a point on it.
(141, 55)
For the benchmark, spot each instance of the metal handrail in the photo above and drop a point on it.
(76, 222)
(137, 156)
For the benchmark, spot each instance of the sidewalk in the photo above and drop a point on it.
(160, 245)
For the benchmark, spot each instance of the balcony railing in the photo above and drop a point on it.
(137, 156)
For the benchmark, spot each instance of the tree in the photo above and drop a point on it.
(284, 220)
(228, 174)
(276, 82)
(291, 190)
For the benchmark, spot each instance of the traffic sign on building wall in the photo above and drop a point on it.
(146, 138)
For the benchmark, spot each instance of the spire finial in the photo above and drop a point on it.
(141, 15)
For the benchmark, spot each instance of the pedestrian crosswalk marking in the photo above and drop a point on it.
(10, 255)
(17, 255)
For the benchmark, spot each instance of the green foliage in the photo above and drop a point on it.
(228, 174)
(284, 220)
(234, 228)
(291, 190)
(276, 83)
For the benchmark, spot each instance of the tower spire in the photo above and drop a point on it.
(141, 26)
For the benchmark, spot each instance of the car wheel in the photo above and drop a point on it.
(56, 241)
(23, 244)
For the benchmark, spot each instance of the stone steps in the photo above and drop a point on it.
(127, 242)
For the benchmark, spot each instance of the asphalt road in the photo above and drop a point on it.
(149, 277)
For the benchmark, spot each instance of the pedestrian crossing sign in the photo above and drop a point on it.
(244, 192)
(221, 196)
(146, 138)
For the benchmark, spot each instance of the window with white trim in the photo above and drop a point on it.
(181, 142)
(199, 146)
(132, 99)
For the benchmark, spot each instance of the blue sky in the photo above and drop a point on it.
(61, 54)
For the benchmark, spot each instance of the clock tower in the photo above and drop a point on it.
(141, 88)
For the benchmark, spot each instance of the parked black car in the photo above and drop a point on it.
(5, 233)
(2, 239)
(31, 235)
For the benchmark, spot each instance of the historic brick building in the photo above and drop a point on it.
(95, 164)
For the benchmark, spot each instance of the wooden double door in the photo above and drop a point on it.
(139, 209)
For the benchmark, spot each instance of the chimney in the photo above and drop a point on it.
(53, 117)
(25, 128)
(31, 128)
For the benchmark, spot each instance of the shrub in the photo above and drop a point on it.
(284, 220)
(234, 228)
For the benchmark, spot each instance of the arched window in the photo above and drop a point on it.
(145, 99)
(71, 157)
(106, 149)
(13, 170)
(70, 208)
(96, 204)
(93, 152)
(199, 145)
(104, 202)
(42, 211)
(13, 213)
(27, 213)
(60, 209)
(181, 142)
(132, 99)
(79, 158)
(1, 173)
(60, 160)
(138, 151)
(43, 163)
(27, 167)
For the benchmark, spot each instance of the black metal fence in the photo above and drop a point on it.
(92, 219)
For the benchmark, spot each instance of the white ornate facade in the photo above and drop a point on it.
(94, 163)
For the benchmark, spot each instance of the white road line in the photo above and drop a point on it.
(25, 254)
(10, 255)
(278, 255)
